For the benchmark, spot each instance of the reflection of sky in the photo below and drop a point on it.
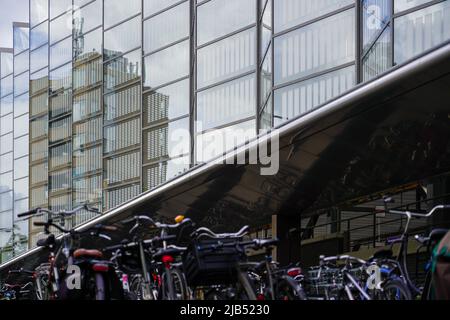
(10, 12)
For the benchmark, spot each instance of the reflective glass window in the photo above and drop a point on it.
(21, 84)
(226, 58)
(229, 102)
(218, 18)
(6, 105)
(21, 125)
(6, 67)
(38, 36)
(167, 103)
(153, 6)
(119, 10)
(123, 70)
(421, 30)
(123, 38)
(38, 11)
(402, 5)
(39, 59)
(87, 18)
(61, 28)
(60, 53)
(89, 46)
(21, 39)
(7, 85)
(21, 62)
(319, 46)
(21, 146)
(21, 105)
(166, 28)
(58, 7)
(289, 13)
(21, 168)
(167, 65)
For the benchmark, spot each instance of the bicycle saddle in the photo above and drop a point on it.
(84, 253)
(382, 254)
(47, 242)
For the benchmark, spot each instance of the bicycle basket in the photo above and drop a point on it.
(205, 265)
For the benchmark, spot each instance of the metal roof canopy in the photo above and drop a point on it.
(391, 131)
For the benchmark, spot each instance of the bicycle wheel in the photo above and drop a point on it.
(288, 289)
(395, 289)
(427, 293)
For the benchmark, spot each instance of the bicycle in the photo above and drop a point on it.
(396, 283)
(96, 280)
(157, 276)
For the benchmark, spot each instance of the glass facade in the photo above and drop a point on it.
(97, 96)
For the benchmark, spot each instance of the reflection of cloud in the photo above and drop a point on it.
(11, 11)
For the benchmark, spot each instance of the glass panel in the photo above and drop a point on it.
(6, 163)
(122, 135)
(115, 197)
(87, 161)
(39, 36)
(167, 65)
(289, 13)
(39, 104)
(218, 18)
(7, 65)
(21, 168)
(88, 46)
(39, 150)
(21, 39)
(297, 99)
(6, 201)
(167, 103)
(6, 105)
(21, 105)
(39, 81)
(265, 121)
(214, 143)
(122, 168)
(39, 173)
(60, 155)
(7, 85)
(154, 6)
(122, 103)
(61, 28)
(266, 77)
(60, 53)
(21, 191)
(6, 124)
(60, 180)
(61, 78)
(39, 59)
(316, 47)
(227, 58)
(166, 28)
(39, 128)
(376, 15)
(39, 197)
(87, 190)
(119, 10)
(6, 182)
(123, 38)
(86, 105)
(58, 7)
(6, 143)
(419, 31)
(164, 171)
(230, 102)
(60, 130)
(38, 11)
(88, 74)
(21, 125)
(168, 141)
(87, 133)
(87, 18)
(60, 104)
(122, 70)
(379, 57)
(21, 62)
(21, 84)
(402, 5)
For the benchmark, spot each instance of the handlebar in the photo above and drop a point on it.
(61, 213)
(210, 234)
(420, 215)
(342, 258)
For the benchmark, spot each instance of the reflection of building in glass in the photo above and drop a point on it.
(111, 83)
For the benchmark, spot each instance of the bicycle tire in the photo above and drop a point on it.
(396, 287)
(100, 289)
(288, 289)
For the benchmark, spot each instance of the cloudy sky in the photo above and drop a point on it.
(11, 11)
